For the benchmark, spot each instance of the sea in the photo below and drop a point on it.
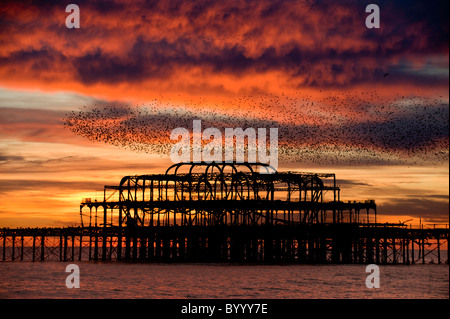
(111, 280)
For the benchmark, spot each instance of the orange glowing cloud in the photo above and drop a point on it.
(137, 50)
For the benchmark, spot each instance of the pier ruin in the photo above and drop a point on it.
(227, 212)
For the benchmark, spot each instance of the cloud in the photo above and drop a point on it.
(10, 158)
(160, 45)
(38, 100)
(428, 208)
(34, 125)
(46, 186)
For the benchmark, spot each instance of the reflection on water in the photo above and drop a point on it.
(167, 281)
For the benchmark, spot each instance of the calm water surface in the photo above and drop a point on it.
(167, 281)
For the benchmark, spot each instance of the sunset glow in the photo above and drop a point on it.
(80, 108)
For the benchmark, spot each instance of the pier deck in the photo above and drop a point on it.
(227, 212)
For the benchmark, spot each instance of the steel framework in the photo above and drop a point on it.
(212, 194)
(213, 212)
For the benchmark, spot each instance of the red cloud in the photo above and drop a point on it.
(221, 47)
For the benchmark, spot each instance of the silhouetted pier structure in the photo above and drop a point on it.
(227, 213)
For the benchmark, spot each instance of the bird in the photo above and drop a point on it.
(338, 128)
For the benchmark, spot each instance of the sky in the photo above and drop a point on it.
(82, 107)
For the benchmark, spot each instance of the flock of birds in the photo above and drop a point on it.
(357, 128)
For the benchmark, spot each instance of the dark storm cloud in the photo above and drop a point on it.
(164, 38)
(429, 209)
